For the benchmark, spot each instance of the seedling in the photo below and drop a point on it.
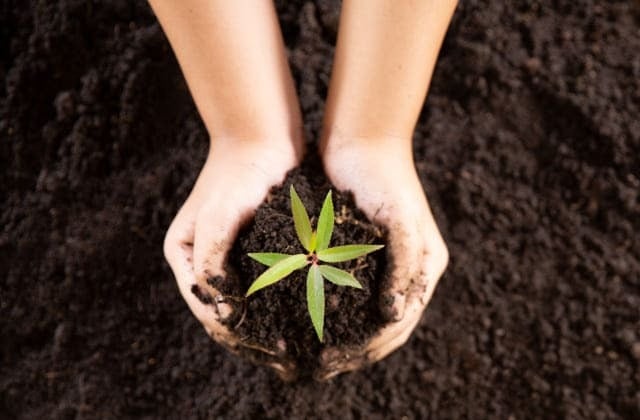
(317, 245)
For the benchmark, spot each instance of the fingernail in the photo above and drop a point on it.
(224, 310)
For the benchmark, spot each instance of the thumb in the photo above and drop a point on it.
(419, 257)
(178, 251)
(405, 263)
(216, 228)
(434, 262)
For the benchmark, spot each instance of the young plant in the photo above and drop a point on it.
(317, 245)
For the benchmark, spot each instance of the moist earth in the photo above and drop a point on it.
(528, 148)
(279, 313)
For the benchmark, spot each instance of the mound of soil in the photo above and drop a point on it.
(279, 312)
(528, 148)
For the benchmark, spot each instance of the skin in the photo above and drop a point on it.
(254, 124)
(383, 64)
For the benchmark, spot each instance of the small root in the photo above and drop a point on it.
(244, 315)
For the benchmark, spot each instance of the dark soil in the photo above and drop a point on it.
(529, 150)
(279, 312)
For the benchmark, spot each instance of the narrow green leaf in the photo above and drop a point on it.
(300, 219)
(278, 271)
(313, 242)
(325, 223)
(346, 252)
(268, 258)
(315, 299)
(339, 277)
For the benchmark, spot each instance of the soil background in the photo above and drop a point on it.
(528, 148)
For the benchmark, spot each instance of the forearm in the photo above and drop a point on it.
(232, 56)
(383, 64)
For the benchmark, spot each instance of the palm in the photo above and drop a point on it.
(231, 185)
(388, 190)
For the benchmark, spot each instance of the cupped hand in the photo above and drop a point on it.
(234, 181)
(385, 185)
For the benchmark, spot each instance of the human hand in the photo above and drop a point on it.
(234, 181)
(385, 185)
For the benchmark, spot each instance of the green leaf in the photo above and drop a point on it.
(325, 223)
(346, 252)
(300, 220)
(268, 258)
(339, 277)
(315, 299)
(278, 271)
(313, 242)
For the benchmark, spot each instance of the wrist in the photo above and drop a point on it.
(385, 146)
(284, 144)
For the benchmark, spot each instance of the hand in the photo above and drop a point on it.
(233, 182)
(385, 185)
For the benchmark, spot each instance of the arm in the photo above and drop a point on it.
(384, 60)
(383, 64)
(232, 56)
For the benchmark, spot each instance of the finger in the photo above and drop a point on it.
(391, 332)
(276, 358)
(219, 221)
(389, 346)
(285, 372)
(404, 327)
(423, 264)
(284, 366)
(334, 361)
(216, 227)
(325, 373)
(434, 263)
(419, 295)
(394, 338)
(404, 247)
(178, 251)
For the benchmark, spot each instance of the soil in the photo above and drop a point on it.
(528, 148)
(279, 313)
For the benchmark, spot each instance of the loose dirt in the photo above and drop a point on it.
(279, 312)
